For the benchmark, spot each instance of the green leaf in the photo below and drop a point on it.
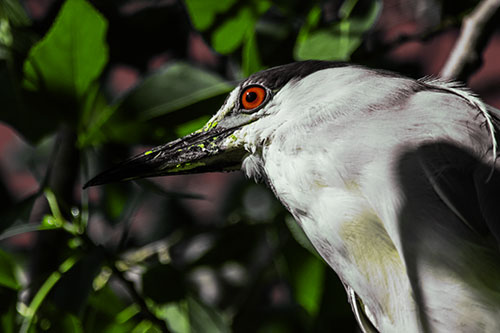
(58, 70)
(204, 319)
(145, 326)
(308, 284)
(8, 272)
(203, 12)
(105, 312)
(347, 7)
(127, 313)
(23, 228)
(71, 55)
(229, 36)
(251, 62)
(14, 12)
(232, 32)
(228, 31)
(8, 318)
(5, 37)
(15, 36)
(191, 126)
(71, 323)
(299, 235)
(319, 45)
(313, 18)
(176, 315)
(95, 113)
(116, 200)
(153, 111)
(338, 41)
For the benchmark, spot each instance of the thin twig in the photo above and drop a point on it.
(129, 285)
(465, 57)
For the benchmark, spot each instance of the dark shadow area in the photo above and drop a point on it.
(448, 225)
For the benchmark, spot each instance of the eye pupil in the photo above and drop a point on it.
(251, 96)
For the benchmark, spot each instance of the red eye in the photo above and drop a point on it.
(252, 97)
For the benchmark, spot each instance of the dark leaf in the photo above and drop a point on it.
(14, 11)
(172, 88)
(204, 319)
(72, 291)
(158, 109)
(8, 313)
(8, 276)
(163, 284)
(19, 211)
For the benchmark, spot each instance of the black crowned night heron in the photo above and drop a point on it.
(394, 181)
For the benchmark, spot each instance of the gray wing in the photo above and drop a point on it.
(469, 187)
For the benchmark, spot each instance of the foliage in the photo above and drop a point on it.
(241, 270)
(339, 40)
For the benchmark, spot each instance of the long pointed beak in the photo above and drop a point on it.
(202, 151)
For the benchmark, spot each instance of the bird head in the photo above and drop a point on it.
(249, 116)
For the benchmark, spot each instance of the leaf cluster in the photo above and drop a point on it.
(137, 257)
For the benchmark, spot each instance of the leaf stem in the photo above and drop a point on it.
(44, 291)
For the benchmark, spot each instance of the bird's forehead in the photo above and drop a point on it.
(277, 77)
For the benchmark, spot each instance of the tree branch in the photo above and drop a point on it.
(129, 286)
(465, 58)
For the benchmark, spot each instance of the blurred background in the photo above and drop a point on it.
(85, 84)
